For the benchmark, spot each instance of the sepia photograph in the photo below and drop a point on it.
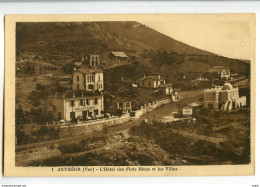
(138, 92)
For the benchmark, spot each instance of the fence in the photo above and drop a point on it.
(151, 106)
(90, 126)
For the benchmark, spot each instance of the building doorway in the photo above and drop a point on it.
(89, 114)
(84, 115)
(72, 115)
(210, 106)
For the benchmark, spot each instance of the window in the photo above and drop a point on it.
(149, 83)
(77, 87)
(96, 112)
(81, 102)
(88, 78)
(87, 102)
(90, 87)
(77, 78)
(72, 103)
(96, 101)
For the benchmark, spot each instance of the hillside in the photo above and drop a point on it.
(154, 52)
(77, 38)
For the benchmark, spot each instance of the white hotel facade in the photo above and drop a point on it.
(76, 104)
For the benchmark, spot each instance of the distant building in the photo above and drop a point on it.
(76, 104)
(90, 60)
(88, 79)
(221, 72)
(78, 64)
(124, 105)
(117, 56)
(151, 81)
(166, 88)
(134, 85)
(187, 111)
(223, 97)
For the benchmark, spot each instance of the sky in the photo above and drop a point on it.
(230, 36)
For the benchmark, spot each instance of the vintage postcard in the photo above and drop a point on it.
(129, 95)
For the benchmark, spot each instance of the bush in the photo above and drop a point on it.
(68, 68)
(71, 148)
(39, 86)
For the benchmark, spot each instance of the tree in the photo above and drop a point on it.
(39, 86)
(69, 68)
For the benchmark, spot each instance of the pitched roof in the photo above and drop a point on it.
(122, 99)
(164, 85)
(217, 68)
(155, 78)
(87, 71)
(119, 54)
(78, 63)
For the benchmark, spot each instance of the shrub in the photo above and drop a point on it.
(71, 148)
(39, 86)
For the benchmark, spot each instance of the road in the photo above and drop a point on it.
(159, 113)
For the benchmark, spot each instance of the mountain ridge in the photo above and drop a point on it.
(64, 42)
(96, 36)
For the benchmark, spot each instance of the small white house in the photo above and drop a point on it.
(187, 111)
